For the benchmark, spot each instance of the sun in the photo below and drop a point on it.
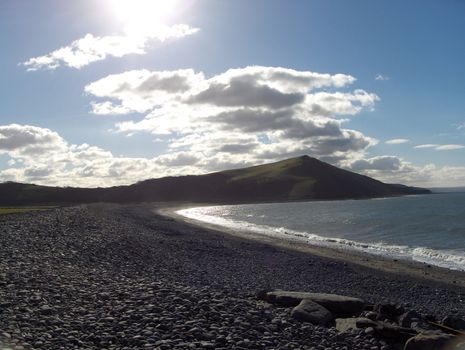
(144, 12)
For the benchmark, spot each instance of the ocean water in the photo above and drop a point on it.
(426, 228)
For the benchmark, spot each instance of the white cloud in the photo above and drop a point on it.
(256, 86)
(428, 145)
(279, 105)
(342, 103)
(109, 108)
(179, 159)
(381, 77)
(461, 126)
(450, 147)
(27, 141)
(392, 169)
(141, 90)
(39, 155)
(246, 93)
(447, 176)
(90, 48)
(397, 141)
(380, 163)
(288, 80)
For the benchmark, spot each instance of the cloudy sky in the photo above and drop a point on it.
(108, 92)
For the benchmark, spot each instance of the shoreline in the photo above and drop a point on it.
(403, 267)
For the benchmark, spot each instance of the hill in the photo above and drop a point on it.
(302, 178)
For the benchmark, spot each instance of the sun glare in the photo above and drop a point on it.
(144, 12)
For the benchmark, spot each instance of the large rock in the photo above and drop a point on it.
(314, 313)
(337, 304)
(429, 341)
(346, 324)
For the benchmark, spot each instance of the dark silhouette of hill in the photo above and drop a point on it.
(301, 178)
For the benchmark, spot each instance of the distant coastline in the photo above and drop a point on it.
(447, 189)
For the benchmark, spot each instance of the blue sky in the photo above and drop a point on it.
(143, 89)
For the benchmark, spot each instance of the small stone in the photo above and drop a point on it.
(369, 330)
(207, 345)
(370, 315)
(46, 310)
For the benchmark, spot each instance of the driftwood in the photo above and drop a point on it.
(446, 329)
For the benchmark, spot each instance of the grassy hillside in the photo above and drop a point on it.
(16, 194)
(8, 210)
(299, 178)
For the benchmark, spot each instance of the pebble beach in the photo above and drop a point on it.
(124, 277)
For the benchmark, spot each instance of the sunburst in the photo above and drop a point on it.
(144, 12)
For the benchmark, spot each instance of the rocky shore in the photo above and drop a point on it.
(122, 277)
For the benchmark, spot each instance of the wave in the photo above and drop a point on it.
(454, 260)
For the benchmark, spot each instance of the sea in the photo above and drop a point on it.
(423, 228)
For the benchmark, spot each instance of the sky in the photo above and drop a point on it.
(111, 92)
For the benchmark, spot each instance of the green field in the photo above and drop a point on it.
(21, 209)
